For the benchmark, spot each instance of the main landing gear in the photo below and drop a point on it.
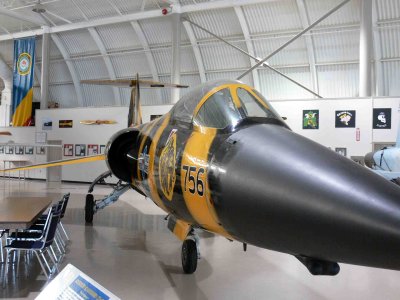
(190, 254)
(92, 205)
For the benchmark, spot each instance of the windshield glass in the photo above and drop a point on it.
(218, 111)
(252, 107)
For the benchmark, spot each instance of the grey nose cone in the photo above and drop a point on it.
(278, 190)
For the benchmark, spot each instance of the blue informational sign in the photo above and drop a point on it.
(86, 290)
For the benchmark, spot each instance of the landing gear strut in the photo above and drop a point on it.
(92, 206)
(190, 254)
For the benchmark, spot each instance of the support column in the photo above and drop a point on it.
(365, 48)
(44, 80)
(176, 55)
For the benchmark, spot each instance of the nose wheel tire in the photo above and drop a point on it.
(89, 208)
(189, 256)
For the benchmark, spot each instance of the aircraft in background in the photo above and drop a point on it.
(386, 162)
(223, 160)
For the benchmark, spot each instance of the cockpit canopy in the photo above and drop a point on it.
(220, 104)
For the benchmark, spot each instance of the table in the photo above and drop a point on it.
(21, 212)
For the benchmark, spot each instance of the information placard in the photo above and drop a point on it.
(72, 284)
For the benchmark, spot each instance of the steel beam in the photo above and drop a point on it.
(44, 78)
(305, 21)
(196, 51)
(136, 16)
(21, 17)
(295, 37)
(71, 68)
(249, 44)
(176, 55)
(255, 58)
(107, 61)
(365, 48)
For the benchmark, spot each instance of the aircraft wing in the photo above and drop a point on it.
(132, 83)
(56, 163)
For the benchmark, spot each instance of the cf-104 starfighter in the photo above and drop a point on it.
(223, 160)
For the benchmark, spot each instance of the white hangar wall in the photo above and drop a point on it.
(332, 137)
(326, 135)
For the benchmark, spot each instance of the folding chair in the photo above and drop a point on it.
(38, 246)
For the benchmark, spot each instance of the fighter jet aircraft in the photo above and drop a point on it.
(386, 162)
(223, 160)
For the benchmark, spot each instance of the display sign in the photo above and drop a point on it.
(47, 124)
(311, 119)
(65, 124)
(68, 150)
(80, 150)
(73, 284)
(345, 119)
(382, 118)
(93, 149)
(22, 96)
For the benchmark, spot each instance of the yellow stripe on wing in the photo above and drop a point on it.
(56, 163)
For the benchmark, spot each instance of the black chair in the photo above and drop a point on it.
(40, 246)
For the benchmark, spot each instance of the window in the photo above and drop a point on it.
(253, 108)
(218, 111)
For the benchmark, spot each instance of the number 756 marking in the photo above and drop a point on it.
(192, 175)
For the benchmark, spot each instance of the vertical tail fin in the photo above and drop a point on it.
(135, 110)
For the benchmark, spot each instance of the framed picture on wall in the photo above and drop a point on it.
(41, 150)
(93, 149)
(80, 149)
(1, 149)
(341, 151)
(68, 150)
(19, 150)
(9, 149)
(102, 149)
(345, 119)
(29, 150)
(311, 119)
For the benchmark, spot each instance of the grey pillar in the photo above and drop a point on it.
(176, 55)
(44, 80)
(365, 48)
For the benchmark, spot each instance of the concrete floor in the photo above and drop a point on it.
(130, 251)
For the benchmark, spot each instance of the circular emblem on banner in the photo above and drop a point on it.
(24, 63)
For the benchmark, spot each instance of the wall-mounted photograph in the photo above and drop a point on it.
(29, 150)
(311, 119)
(93, 149)
(41, 150)
(80, 150)
(19, 150)
(341, 151)
(9, 149)
(68, 150)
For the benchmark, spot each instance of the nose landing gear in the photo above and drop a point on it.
(190, 254)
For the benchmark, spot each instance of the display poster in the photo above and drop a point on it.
(41, 150)
(29, 150)
(73, 284)
(382, 118)
(153, 117)
(311, 119)
(341, 151)
(1, 149)
(68, 150)
(93, 149)
(65, 124)
(19, 150)
(102, 149)
(80, 150)
(47, 124)
(345, 119)
(10, 150)
(22, 95)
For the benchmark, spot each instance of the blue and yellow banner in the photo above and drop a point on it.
(24, 58)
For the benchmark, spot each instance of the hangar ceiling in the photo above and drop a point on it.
(93, 39)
